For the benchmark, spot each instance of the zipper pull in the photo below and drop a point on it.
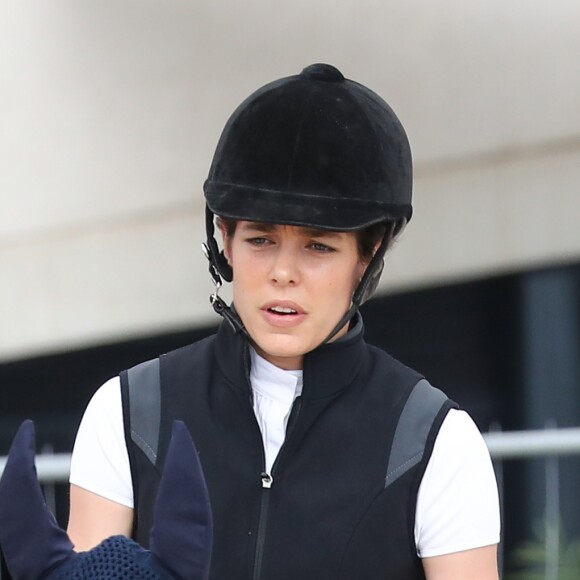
(267, 480)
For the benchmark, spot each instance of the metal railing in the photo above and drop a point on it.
(551, 444)
(541, 443)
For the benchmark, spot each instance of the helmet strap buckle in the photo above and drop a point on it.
(218, 304)
(215, 275)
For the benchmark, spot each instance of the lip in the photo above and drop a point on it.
(284, 304)
(283, 320)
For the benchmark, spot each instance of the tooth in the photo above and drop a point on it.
(283, 310)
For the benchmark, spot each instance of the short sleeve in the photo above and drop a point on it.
(457, 504)
(100, 462)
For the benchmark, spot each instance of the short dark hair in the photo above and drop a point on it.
(227, 224)
(367, 238)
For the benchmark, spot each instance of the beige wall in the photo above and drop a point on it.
(109, 113)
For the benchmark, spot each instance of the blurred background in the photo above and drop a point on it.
(109, 115)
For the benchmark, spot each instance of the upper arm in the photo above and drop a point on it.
(476, 564)
(101, 492)
(94, 518)
(458, 505)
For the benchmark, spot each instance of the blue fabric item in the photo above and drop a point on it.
(115, 558)
(31, 540)
(181, 537)
(36, 548)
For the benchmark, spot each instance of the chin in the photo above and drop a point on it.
(281, 345)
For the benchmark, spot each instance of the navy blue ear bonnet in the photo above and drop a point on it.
(115, 557)
(36, 548)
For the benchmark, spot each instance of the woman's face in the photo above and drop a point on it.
(291, 286)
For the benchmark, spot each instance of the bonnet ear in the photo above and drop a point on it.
(31, 540)
(181, 537)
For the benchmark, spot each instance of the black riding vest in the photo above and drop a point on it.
(341, 500)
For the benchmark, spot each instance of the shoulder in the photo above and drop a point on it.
(200, 347)
(460, 453)
(103, 415)
(422, 406)
(460, 435)
(148, 372)
(106, 398)
(382, 363)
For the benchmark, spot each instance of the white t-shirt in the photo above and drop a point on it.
(457, 504)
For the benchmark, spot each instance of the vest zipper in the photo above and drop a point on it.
(267, 480)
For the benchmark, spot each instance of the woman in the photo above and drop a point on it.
(324, 457)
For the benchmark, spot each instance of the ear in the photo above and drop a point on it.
(181, 538)
(397, 229)
(31, 540)
(226, 241)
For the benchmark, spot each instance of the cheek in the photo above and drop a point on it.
(247, 275)
(234, 254)
(359, 273)
(342, 282)
(352, 274)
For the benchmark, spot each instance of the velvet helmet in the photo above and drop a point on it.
(314, 150)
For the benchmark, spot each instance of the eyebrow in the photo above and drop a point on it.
(313, 232)
(259, 226)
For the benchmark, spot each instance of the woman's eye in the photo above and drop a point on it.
(258, 241)
(323, 248)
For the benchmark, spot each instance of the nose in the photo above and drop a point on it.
(285, 268)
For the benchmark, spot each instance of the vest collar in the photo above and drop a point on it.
(328, 369)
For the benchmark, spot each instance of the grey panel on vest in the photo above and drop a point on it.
(413, 428)
(145, 406)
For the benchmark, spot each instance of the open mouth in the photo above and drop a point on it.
(282, 310)
(283, 314)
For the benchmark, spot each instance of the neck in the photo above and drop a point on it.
(295, 362)
(287, 363)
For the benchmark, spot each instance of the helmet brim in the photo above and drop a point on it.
(237, 202)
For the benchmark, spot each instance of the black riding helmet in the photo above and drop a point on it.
(313, 150)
